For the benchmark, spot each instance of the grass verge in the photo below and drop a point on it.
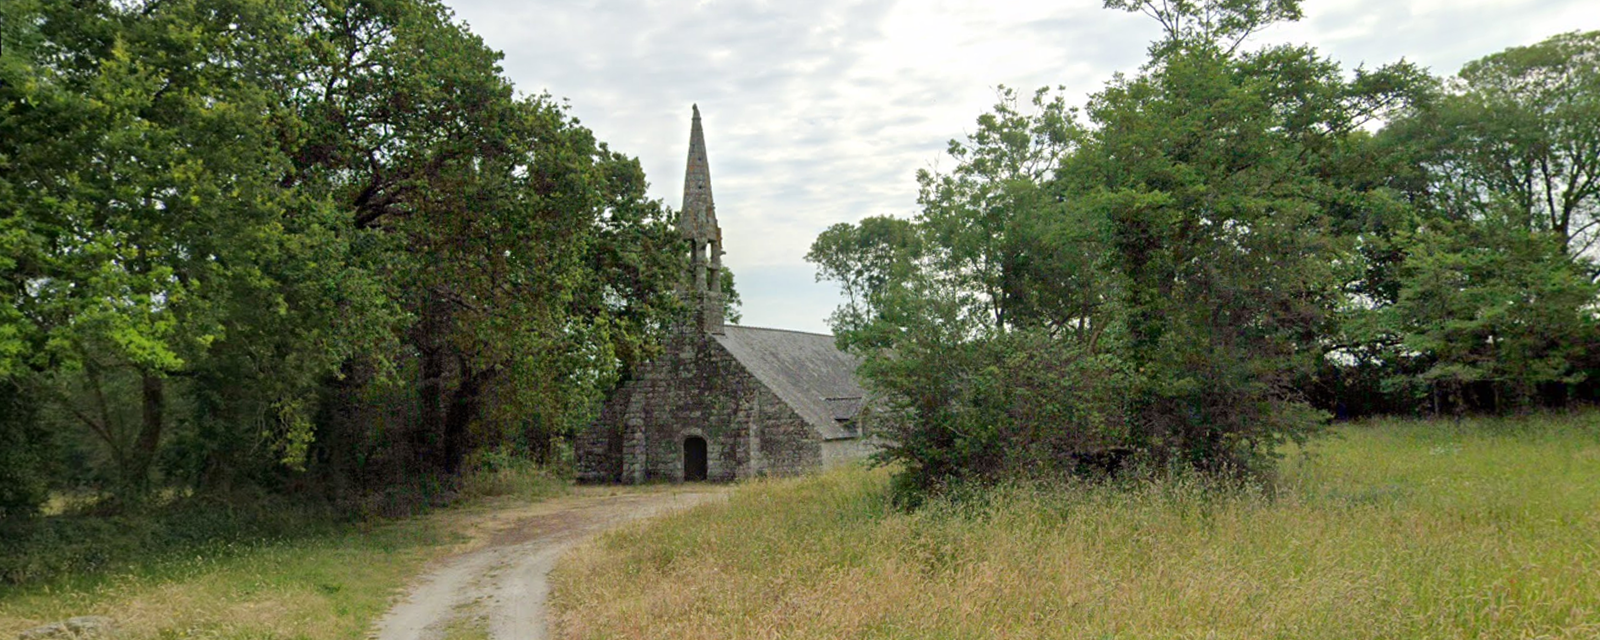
(302, 576)
(1479, 529)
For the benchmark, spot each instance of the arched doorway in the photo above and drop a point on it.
(694, 458)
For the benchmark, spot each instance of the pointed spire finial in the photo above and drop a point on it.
(698, 218)
(697, 223)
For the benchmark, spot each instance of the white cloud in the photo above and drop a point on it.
(821, 111)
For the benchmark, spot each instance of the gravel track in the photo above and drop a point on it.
(502, 587)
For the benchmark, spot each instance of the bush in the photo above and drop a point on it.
(82, 545)
(503, 472)
(23, 440)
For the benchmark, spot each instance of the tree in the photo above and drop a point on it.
(980, 220)
(251, 238)
(1491, 304)
(1218, 25)
(1155, 283)
(975, 316)
(730, 296)
(866, 259)
(24, 447)
(1219, 173)
(1500, 168)
(143, 185)
(521, 249)
(1519, 132)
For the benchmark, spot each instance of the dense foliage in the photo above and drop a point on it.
(317, 246)
(1222, 248)
(321, 247)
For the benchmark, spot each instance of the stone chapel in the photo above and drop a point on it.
(724, 402)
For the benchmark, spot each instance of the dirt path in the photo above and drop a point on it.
(500, 588)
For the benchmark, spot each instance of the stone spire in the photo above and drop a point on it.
(697, 223)
(699, 210)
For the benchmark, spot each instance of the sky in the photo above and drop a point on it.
(818, 112)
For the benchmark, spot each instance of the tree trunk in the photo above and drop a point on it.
(429, 337)
(153, 416)
(430, 418)
(463, 408)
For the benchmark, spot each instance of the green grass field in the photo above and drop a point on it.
(329, 586)
(1388, 529)
(332, 580)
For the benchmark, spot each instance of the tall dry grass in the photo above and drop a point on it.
(331, 581)
(320, 587)
(1389, 529)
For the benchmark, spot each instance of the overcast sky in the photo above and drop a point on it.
(821, 111)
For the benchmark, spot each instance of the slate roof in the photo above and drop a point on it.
(806, 370)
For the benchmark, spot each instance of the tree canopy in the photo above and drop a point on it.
(263, 241)
(1177, 276)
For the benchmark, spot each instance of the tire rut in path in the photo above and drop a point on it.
(505, 583)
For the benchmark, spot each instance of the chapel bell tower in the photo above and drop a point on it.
(697, 222)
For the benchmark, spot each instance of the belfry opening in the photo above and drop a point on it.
(697, 223)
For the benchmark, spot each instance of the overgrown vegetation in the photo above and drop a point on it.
(270, 567)
(315, 248)
(266, 261)
(1392, 528)
(1225, 248)
(84, 546)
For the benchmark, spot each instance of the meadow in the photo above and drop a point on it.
(302, 574)
(1480, 528)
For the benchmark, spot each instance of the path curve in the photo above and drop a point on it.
(502, 587)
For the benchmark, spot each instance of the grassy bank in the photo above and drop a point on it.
(1389, 529)
(200, 573)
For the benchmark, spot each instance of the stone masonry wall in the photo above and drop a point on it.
(837, 452)
(598, 447)
(695, 388)
(788, 446)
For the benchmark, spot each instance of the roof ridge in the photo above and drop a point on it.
(801, 368)
(807, 333)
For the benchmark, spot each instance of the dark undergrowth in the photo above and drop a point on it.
(91, 540)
